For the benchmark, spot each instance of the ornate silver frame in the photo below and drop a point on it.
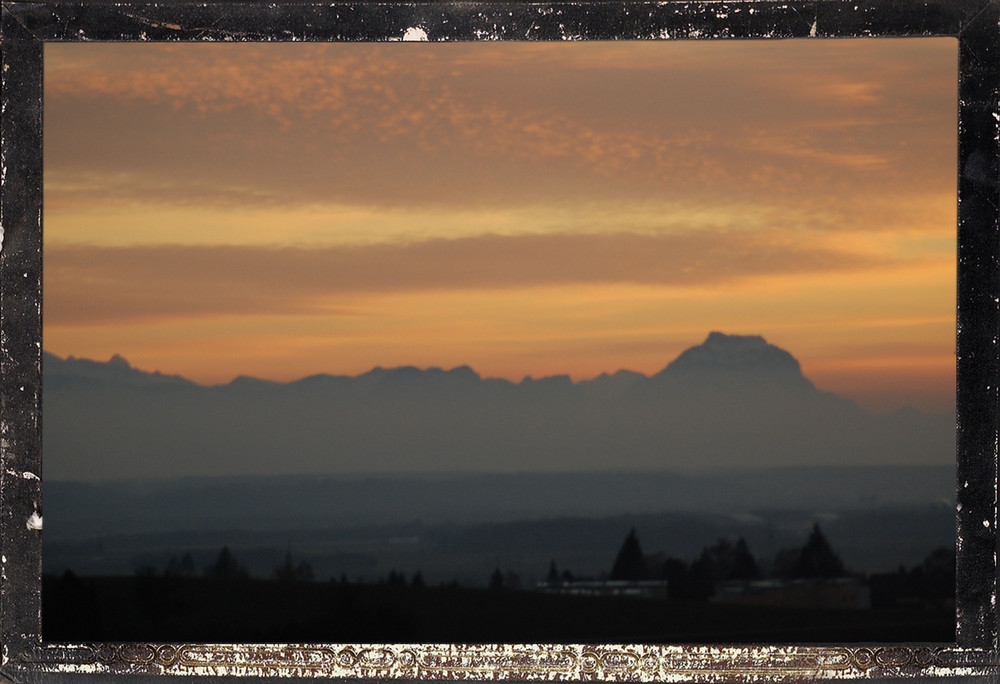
(27, 25)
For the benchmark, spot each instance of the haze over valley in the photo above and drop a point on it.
(435, 469)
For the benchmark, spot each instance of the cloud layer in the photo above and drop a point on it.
(485, 124)
(100, 284)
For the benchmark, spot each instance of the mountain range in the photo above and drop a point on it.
(730, 402)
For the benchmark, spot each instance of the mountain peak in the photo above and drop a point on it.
(719, 339)
(736, 353)
(119, 361)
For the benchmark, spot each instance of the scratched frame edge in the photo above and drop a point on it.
(26, 26)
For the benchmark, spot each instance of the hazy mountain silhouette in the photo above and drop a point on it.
(730, 401)
(72, 371)
(732, 359)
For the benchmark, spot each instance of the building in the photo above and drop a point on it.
(630, 588)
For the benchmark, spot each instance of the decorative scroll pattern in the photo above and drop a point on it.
(514, 662)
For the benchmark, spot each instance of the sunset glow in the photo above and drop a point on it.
(521, 208)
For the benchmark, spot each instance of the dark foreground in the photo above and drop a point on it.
(195, 610)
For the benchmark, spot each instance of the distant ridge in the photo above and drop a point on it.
(719, 353)
(59, 372)
(731, 401)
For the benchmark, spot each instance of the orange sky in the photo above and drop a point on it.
(280, 210)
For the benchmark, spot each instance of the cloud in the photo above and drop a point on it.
(90, 284)
(479, 124)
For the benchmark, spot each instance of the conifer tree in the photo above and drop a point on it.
(630, 564)
(225, 566)
(817, 559)
(553, 575)
(744, 564)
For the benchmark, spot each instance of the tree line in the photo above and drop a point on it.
(726, 561)
(720, 562)
(227, 567)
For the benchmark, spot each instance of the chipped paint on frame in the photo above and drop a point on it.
(637, 663)
(26, 25)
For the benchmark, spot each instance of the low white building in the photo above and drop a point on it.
(634, 588)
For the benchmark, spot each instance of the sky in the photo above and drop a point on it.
(280, 210)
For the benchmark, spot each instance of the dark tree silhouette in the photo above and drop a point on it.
(289, 572)
(187, 565)
(304, 572)
(511, 580)
(817, 559)
(286, 571)
(225, 566)
(936, 574)
(145, 570)
(630, 564)
(553, 575)
(727, 561)
(173, 568)
(940, 564)
(721, 562)
(496, 579)
(931, 584)
(744, 564)
(417, 582)
(681, 581)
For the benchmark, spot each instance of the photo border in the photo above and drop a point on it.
(26, 26)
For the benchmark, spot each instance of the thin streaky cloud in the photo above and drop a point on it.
(91, 283)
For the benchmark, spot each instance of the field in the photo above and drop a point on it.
(158, 609)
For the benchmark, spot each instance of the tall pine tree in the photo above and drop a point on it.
(630, 564)
(817, 559)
